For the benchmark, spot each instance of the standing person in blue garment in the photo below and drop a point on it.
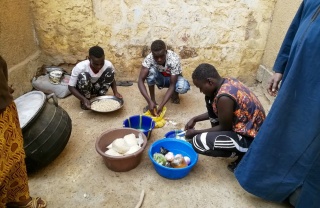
(284, 159)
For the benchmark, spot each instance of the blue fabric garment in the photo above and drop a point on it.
(286, 152)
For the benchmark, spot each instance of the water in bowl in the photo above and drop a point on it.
(142, 130)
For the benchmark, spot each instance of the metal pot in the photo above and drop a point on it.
(55, 77)
(46, 128)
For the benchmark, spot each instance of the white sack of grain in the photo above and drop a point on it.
(112, 152)
(131, 139)
(109, 146)
(120, 145)
(132, 149)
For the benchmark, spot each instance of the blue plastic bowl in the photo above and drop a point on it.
(172, 134)
(140, 122)
(177, 147)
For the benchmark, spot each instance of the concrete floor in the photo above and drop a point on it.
(78, 177)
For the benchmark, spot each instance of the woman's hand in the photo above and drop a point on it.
(118, 95)
(11, 90)
(274, 84)
(190, 125)
(153, 108)
(190, 133)
(159, 110)
(86, 103)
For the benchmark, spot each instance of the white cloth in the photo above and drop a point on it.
(84, 66)
(172, 65)
(43, 84)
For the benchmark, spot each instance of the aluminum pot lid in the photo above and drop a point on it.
(29, 105)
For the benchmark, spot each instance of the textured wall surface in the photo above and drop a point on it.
(282, 17)
(231, 34)
(18, 44)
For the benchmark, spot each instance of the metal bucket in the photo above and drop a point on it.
(46, 128)
(55, 77)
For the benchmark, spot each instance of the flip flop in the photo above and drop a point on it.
(175, 101)
(145, 109)
(36, 202)
(175, 98)
(124, 83)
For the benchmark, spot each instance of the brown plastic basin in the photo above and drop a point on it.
(119, 163)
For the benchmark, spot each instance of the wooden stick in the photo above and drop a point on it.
(140, 200)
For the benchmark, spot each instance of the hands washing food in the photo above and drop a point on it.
(159, 118)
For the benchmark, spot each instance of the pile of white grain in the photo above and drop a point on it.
(105, 105)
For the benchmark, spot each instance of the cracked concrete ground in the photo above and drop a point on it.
(78, 177)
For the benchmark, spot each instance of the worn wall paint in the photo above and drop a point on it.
(230, 34)
(17, 40)
(18, 43)
(281, 20)
(283, 15)
(216, 32)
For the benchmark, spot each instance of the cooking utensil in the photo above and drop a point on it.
(181, 133)
(106, 97)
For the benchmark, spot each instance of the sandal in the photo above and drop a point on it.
(124, 83)
(36, 202)
(145, 109)
(175, 101)
(175, 98)
(233, 165)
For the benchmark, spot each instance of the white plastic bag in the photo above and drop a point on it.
(43, 84)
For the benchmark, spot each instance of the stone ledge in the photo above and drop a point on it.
(263, 77)
(21, 74)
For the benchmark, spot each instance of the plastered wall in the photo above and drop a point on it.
(283, 14)
(18, 44)
(230, 34)
(282, 17)
(236, 36)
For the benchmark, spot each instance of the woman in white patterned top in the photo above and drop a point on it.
(161, 67)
